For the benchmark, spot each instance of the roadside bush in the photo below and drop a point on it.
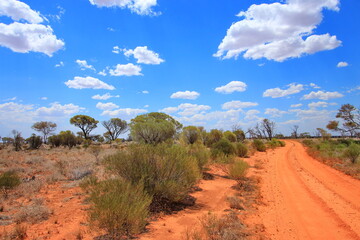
(308, 142)
(54, 141)
(200, 153)
(191, 134)
(167, 171)
(213, 137)
(241, 149)
(352, 152)
(9, 180)
(274, 143)
(230, 136)
(34, 142)
(119, 207)
(238, 169)
(224, 146)
(259, 145)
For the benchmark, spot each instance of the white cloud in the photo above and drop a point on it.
(58, 110)
(10, 99)
(313, 85)
(88, 82)
(233, 86)
(124, 113)
(277, 92)
(252, 115)
(296, 105)
(342, 64)
(279, 31)
(320, 104)
(238, 105)
(110, 29)
(102, 73)
(322, 95)
(14, 107)
(186, 95)
(106, 106)
(44, 98)
(84, 65)
(126, 70)
(116, 49)
(23, 38)
(106, 96)
(146, 106)
(274, 112)
(186, 109)
(354, 89)
(145, 92)
(60, 64)
(17, 11)
(141, 7)
(142, 54)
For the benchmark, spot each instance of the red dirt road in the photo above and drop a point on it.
(305, 199)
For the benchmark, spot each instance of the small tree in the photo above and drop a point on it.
(45, 128)
(115, 127)
(213, 137)
(18, 141)
(191, 134)
(323, 133)
(85, 123)
(350, 116)
(268, 127)
(230, 136)
(34, 142)
(294, 133)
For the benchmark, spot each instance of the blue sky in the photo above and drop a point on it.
(209, 63)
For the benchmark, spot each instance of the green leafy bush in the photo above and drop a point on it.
(9, 180)
(224, 146)
(352, 152)
(34, 142)
(230, 136)
(167, 171)
(274, 143)
(119, 207)
(200, 153)
(259, 145)
(241, 149)
(238, 169)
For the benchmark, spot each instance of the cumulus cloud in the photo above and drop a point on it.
(233, 86)
(106, 96)
(60, 64)
(274, 112)
(279, 31)
(141, 7)
(88, 82)
(142, 54)
(126, 70)
(277, 92)
(252, 115)
(106, 106)
(145, 92)
(58, 110)
(342, 64)
(124, 113)
(84, 65)
(186, 109)
(296, 105)
(313, 85)
(26, 37)
(238, 105)
(191, 95)
(44, 98)
(322, 95)
(320, 104)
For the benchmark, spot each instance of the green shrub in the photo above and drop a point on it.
(224, 146)
(167, 171)
(34, 142)
(259, 145)
(241, 149)
(200, 153)
(274, 143)
(230, 136)
(54, 141)
(352, 152)
(213, 137)
(119, 207)
(191, 134)
(308, 142)
(9, 180)
(238, 169)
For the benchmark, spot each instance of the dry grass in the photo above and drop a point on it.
(34, 213)
(19, 233)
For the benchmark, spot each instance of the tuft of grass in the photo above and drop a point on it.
(352, 152)
(9, 180)
(200, 153)
(235, 202)
(259, 145)
(238, 169)
(33, 213)
(241, 149)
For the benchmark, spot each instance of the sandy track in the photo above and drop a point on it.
(305, 199)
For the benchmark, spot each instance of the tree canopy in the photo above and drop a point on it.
(85, 123)
(45, 128)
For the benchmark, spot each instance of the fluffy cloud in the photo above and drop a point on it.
(106, 106)
(296, 105)
(124, 113)
(84, 65)
(58, 110)
(60, 64)
(142, 54)
(233, 86)
(186, 95)
(145, 92)
(26, 37)
(277, 92)
(187, 109)
(126, 70)
(274, 112)
(106, 96)
(238, 105)
(14, 107)
(141, 7)
(320, 104)
(252, 115)
(322, 95)
(279, 31)
(313, 85)
(342, 64)
(88, 82)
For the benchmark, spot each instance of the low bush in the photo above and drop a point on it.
(167, 171)
(200, 153)
(34, 142)
(119, 207)
(241, 149)
(224, 146)
(352, 152)
(274, 143)
(9, 180)
(238, 169)
(259, 145)
(33, 213)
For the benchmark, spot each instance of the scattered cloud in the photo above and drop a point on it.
(320, 104)
(142, 54)
(322, 95)
(44, 98)
(18, 10)
(10, 99)
(141, 7)
(238, 105)
(145, 92)
(191, 95)
(354, 89)
(124, 113)
(277, 92)
(116, 50)
(58, 110)
(84, 65)
(313, 85)
(88, 82)
(102, 73)
(146, 106)
(126, 70)
(60, 64)
(186, 109)
(111, 29)
(342, 64)
(233, 86)
(252, 115)
(274, 112)
(278, 31)
(106, 96)
(296, 105)
(106, 106)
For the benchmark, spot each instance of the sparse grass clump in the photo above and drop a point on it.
(259, 145)
(274, 143)
(238, 169)
(200, 153)
(9, 180)
(33, 213)
(241, 149)
(352, 152)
